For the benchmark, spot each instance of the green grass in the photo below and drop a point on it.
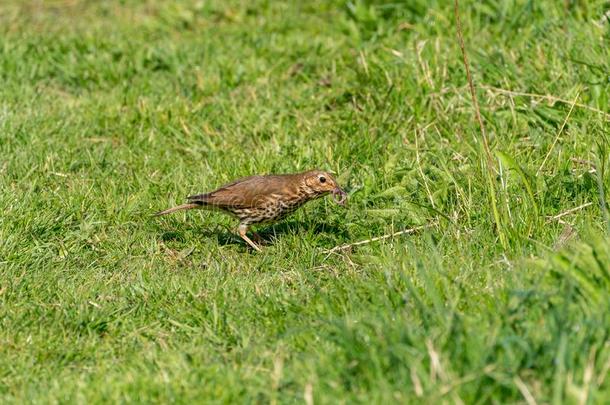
(110, 111)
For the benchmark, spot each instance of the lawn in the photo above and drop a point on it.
(112, 110)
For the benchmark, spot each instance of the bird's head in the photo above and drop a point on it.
(321, 183)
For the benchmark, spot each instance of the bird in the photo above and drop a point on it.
(264, 198)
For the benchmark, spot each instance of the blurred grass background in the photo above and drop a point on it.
(112, 110)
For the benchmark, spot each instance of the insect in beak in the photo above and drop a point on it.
(339, 196)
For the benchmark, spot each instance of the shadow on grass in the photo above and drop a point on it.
(327, 234)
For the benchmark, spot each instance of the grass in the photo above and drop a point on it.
(110, 111)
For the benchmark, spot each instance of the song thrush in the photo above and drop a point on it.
(264, 199)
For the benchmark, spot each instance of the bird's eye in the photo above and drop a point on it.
(322, 179)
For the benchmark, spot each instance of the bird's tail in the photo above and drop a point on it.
(188, 206)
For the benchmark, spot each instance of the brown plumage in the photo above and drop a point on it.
(263, 199)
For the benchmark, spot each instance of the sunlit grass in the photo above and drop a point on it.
(110, 111)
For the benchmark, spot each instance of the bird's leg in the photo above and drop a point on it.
(241, 230)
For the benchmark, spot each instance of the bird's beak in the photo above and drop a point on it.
(339, 195)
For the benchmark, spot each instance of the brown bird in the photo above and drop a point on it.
(264, 199)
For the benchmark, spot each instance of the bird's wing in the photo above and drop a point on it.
(246, 192)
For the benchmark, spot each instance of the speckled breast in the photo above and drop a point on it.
(269, 211)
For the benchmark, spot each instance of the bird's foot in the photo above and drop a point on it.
(241, 230)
